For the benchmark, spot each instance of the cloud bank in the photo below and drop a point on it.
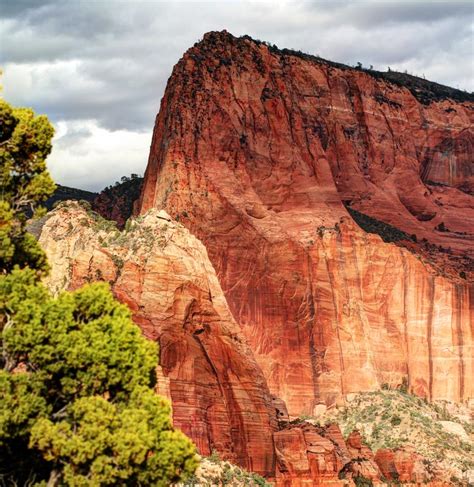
(99, 69)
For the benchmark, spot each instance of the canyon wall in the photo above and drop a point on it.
(218, 392)
(256, 150)
(267, 156)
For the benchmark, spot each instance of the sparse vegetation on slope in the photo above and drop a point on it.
(215, 472)
(388, 232)
(146, 233)
(441, 432)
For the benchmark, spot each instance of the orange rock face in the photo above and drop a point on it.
(219, 396)
(402, 465)
(255, 152)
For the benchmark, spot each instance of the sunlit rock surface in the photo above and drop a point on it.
(255, 151)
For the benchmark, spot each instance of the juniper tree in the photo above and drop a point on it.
(77, 405)
(25, 143)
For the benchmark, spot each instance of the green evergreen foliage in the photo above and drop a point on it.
(78, 344)
(361, 481)
(25, 142)
(103, 443)
(77, 405)
(77, 388)
(388, 232)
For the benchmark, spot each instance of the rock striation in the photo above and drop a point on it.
(219, 394)
(257, 151)
(335, 210)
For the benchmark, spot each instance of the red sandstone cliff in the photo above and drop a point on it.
(254, 150)
(219, 395)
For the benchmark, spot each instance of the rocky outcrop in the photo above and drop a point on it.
(116, 202)
(313, 455)
(415, 440)
(403, 465)
(219, 396)
(255, 150)
(307, 453)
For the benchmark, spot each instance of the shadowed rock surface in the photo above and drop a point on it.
(116, 202)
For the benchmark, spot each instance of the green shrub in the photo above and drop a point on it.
(361, 481)
(83, 410)
(395, 420)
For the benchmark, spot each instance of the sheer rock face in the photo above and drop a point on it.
(254, 151)
(162, 272)
(219, 394)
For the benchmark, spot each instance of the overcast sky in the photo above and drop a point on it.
(98, 69)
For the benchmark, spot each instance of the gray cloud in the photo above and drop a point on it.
(107, 62)
(74, 136)
(370, 14)
(125, 51)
